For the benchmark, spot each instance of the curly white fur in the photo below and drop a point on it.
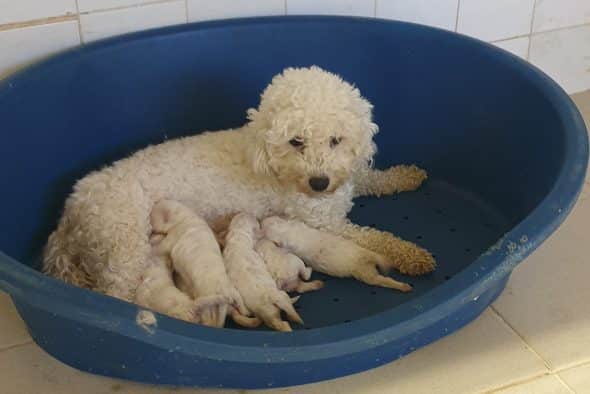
(101, 241)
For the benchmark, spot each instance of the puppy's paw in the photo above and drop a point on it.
(366, 270)
(211, 310)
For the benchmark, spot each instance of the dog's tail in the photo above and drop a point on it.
(60, 263)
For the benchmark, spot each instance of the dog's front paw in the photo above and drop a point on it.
(402, 178)
(407, 257)
(416, 261)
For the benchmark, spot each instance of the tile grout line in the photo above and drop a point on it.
(186, 9)
(10, 347)
(457, 16)
(79, 23)
(538, 33)
(38, 22)
(577, 365)
(516, 383)
(533, 350)
(528, 50)
(124, 7)
(510, 38)
(567, 386)
(286, 8)
(374, 8)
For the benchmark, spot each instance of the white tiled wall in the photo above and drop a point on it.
(552, 34)
(438, 13)
(103, 24)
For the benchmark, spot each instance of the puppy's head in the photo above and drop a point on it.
(313, 129)
(166, 214)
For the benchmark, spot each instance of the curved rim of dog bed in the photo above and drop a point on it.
(111, 314)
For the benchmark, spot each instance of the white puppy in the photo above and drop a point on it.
(248, 272)
(196, 257)
(158, 292)
(288, 270)
(330, 254)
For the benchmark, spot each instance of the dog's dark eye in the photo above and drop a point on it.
(334, 141)
(296, 142)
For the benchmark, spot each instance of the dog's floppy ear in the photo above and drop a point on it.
(260, 160)
(259, 154)
(367, 147)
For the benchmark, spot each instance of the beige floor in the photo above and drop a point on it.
(534, 339)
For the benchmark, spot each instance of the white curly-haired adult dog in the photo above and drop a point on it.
(304, 154)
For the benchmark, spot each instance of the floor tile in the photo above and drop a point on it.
(477, 358)
(29, 370)
(546, 384)
(12, 329)
(547, 296)
(578, 378)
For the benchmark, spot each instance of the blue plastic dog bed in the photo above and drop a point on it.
(505, 148)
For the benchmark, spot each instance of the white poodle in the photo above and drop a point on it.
(303, 155)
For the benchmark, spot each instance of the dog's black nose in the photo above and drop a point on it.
(319, 183)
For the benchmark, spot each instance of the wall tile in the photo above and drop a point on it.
(12, 11)
(495, 20)
(21, 46)
(110, 23)
(332, 7)
(518, 46)
(221, 9)
(565, 56)
(93, 5)
(438, 13)
(555, 14)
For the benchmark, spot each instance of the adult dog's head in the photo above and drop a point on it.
(312, 130)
